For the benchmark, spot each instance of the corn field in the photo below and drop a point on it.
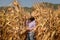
(13, 23)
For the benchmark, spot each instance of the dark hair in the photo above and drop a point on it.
(32, 19)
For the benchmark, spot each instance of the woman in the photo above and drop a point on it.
(31, 27)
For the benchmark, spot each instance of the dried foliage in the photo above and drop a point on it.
(48, 23)
(13, 23)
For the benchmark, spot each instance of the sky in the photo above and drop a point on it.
(27, 3)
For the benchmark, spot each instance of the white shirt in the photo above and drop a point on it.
(32, 25)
